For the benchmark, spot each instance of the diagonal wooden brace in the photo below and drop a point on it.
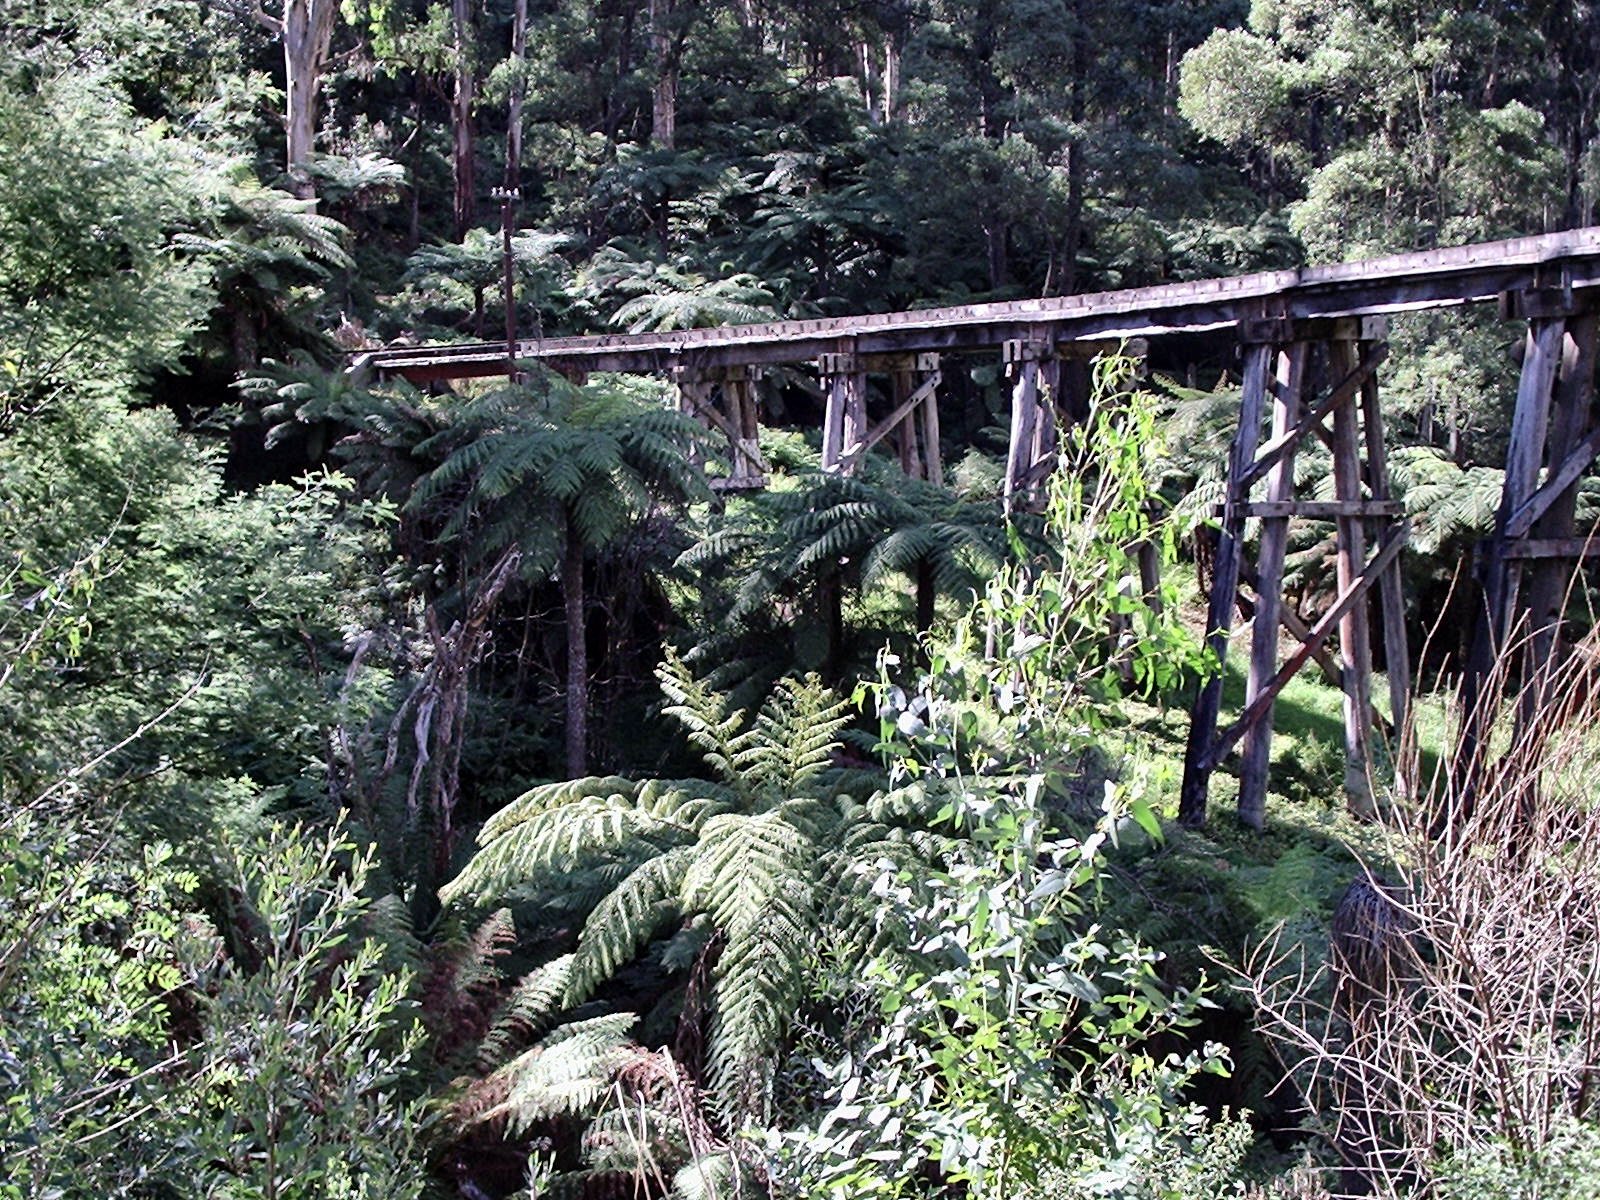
(1393, 542)
(1564, 476)
(1344, 393)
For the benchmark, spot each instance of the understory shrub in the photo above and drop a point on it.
(1449, 1039)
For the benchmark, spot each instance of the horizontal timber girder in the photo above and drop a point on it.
(1526, 275)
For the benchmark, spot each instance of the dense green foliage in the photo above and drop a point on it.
(277, 645)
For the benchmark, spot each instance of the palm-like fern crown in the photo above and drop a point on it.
(764, 854)
(520, 464)
(868, 528)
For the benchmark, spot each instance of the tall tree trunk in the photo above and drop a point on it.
(577, 654)
(1075, 164)
(513, 185)
(831, 589)
(461, 118)
(519, 55)
(927, 594)
(664, 98)
(306, 28)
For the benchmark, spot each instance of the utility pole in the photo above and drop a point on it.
(511, 193)
(508, 196)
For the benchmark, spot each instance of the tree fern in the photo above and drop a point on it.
(526, 1012)
(626, 919)
(564, 474)
(567, 1072)
(768, 856)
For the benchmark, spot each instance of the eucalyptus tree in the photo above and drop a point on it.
(1387, 125)
(561, 473)
(306, 29)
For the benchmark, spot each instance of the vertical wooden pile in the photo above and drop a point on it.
(1528, 563)
(725, 399)
(1277, 362)
(913, 422)
(1035, 375)
(844, 384)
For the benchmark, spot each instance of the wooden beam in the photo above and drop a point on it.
(1549, 578)
(1286, 416)
(1541, 362)
(745, 465)
(1355, 648)
(1558, 484)
(845, 411)
(1558, 548)
(1198, 760)
(1391, 602)
(930, 441)
(1025, 415)
(1287, 441)
(1319, 510)
(1395, 283)
(1388, 549)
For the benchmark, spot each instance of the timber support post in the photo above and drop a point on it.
(725, 399)
(844, 422)
(1035, 375)
(1197, 767)
(1554, 441)
(1278, 364)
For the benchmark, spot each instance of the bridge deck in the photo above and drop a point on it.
(1394, 283)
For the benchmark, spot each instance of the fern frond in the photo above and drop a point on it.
(567, 1072)
(704, 715)
(797, 734)
(759, 983)
(561, 840)
(744, 862)
(527, 1011)
(625, 920)
(548, 796)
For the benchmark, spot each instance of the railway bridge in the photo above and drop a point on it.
(1294, 329)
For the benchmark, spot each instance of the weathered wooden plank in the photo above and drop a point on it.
(901, 384)
(1198, 762)
(1321, 510)
(1529, 432)
(1286, 415)
(833, 422)
(1558, 548)
(1541, 363)
(855, 419)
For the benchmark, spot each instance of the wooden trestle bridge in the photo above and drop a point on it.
(1294, 328)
